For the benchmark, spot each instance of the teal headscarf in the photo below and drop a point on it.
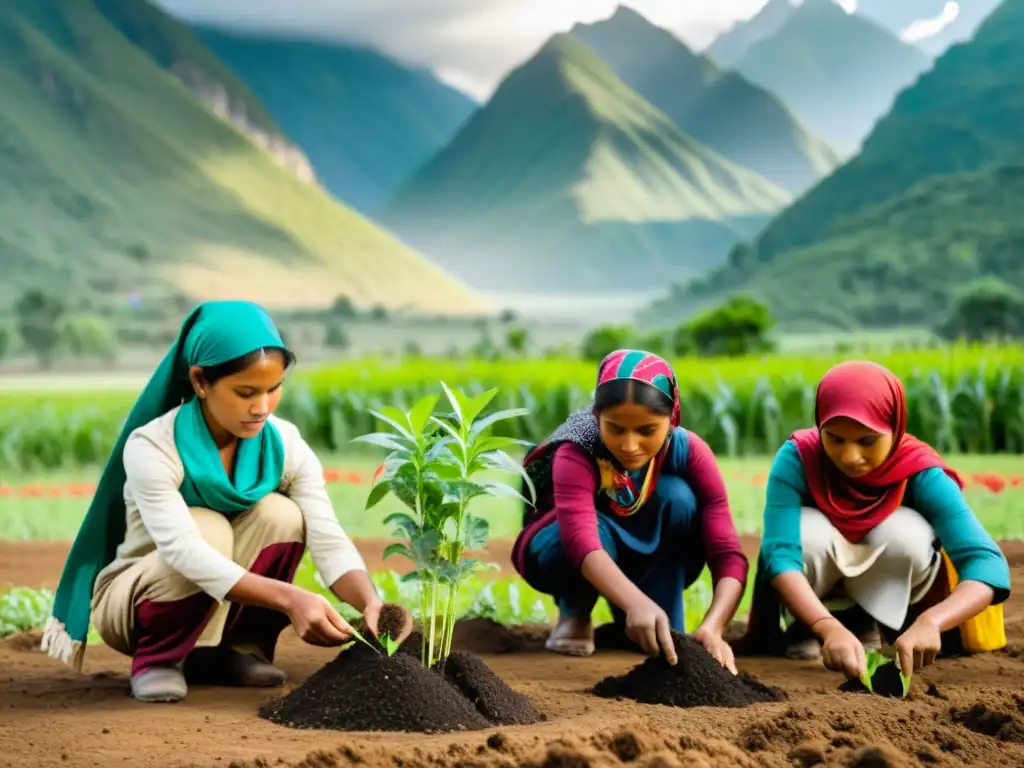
(213, 333)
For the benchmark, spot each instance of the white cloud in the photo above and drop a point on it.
(471, 44)
(922, 29)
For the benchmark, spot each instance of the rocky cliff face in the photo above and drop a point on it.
(218, 99)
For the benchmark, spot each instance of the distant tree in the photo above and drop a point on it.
(740, 326)
(517, 340)
(379, 314)
(485, 349)
(412, 350)
(986, 309)
(335, 336)
(38, 318)
(344, 308)
(604, 340)
(5, 342)
(742, 256)
(658, 342)
(682, 341)
(89, 336)
(508, 316)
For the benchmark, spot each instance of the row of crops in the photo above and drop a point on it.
(962, 399)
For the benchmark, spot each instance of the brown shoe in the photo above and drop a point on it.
(805, 650)
(220, 666)
(572, 636)
(159, 684)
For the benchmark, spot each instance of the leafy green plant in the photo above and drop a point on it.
(22, 609)
(875, 661)
(432, 468)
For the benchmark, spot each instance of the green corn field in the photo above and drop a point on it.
(960, 399)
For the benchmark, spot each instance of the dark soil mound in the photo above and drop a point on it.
(486, 636)
(697, 680)
(361, 690)
(491, 695)
(886, 682)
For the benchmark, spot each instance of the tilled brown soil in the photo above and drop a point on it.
(961, 712)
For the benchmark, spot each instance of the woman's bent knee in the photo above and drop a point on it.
(907, 537)
(278, 519)
(215, 529)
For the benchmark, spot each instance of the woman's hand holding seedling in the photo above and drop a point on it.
(315, 619)
(647, 624)
(371, 617)
(841, 651)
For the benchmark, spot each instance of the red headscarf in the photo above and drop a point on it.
(873, 396)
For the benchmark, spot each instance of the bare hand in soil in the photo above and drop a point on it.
(841, 651)
(716, 646)
(918, 646)
(316, 621)
(647, 625)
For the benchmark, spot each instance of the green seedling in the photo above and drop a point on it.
(877, 660)
(432, 467)
(389, 643)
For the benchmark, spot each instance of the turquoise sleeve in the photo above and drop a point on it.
(974, 553)
(781, 550)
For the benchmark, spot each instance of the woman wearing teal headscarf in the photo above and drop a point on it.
(185, 558)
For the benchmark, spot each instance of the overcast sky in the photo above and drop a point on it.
(470, 44)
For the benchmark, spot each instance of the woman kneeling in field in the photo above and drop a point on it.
(858, 511)
(631, 507)
(199, 521)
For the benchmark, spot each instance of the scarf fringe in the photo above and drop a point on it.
(58, 644)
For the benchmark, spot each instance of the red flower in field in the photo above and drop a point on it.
(995, 483)
(355, 478)
(35, 491)
(1016, 481)
(6, 490)
(378, 473)
(331, 476)
(81, 489)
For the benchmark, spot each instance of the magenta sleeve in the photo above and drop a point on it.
(574, 479)
(721, 541)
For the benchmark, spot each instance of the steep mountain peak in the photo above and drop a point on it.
(624, 15)
(627, 27)
(729, 46)
(562, 65)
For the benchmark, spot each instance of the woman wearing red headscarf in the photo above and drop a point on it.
(858, 511)
(631, 507)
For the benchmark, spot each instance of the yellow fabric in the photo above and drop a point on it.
(984, 632)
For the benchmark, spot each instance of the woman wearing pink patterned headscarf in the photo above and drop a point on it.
(630, 507)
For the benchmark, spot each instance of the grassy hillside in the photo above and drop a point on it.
(366, 122)
(723, 110)
(568, 180)
(839, 73)
(931, 202)
(117, 181)
(730, 46)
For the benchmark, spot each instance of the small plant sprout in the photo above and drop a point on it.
(877, 660)
(431, 467)
(389, 644)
